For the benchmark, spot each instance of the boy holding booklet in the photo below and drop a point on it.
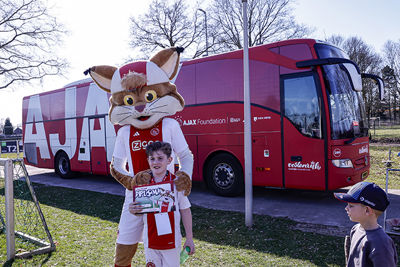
(161, 234)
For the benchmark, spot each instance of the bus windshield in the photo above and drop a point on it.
(347, 113)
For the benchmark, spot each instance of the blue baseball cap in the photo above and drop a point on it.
(366, 193)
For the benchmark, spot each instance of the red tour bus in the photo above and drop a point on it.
(309, 127)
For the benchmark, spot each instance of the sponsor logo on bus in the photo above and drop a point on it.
(211, 121)
(233, 120)
(262, 118)
(364, 149)
(337, 152)
(189, 122)
(300, 166)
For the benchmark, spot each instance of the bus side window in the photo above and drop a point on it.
(301, 105)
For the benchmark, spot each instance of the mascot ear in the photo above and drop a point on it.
(168, 60)
(102, 76)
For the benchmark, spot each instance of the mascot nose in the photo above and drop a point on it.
(140, 108)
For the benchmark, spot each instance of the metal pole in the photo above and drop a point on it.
(205, 24)
(17, 142)
(386, 190)
(247, 125)
(9, 201)
(374, 128)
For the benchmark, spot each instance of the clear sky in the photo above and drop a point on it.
(99, 34)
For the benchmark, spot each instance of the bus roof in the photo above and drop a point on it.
(78, 83)
(237, 54)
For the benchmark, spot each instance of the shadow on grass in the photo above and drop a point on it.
(268, 235)
(103, 206)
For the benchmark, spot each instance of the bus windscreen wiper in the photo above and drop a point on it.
(350, 141)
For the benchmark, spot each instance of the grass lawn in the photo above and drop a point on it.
(379, 154)
(11, 155)
(84, 226)
(385, 132)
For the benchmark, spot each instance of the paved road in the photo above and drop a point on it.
(301, 206)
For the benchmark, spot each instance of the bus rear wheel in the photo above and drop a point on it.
(62, 165)
(224, 175)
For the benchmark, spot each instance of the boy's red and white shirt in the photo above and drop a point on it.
(168, 241)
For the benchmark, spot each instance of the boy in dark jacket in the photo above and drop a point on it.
(369, 244)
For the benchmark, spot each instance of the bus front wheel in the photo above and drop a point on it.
(62, 165)
(224, 175)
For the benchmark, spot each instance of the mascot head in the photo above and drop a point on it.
(141, 91)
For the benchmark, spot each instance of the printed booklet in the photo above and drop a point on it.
(155, 198)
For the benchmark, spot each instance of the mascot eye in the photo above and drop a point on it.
(128, 100)
(150, 96)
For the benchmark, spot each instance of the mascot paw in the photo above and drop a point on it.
(123, 179)
(142, 178)
(183, 182)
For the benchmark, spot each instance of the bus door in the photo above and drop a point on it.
(301, 121)
(97, 136)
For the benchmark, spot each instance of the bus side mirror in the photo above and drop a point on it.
(354, 76)
(349, 66)
(379, 82)
(381, 86)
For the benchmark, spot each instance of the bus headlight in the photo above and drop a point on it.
(342, 163)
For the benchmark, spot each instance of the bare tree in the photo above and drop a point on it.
(392, 92)
(391, 54)
(28, 34)
(391, 74)
(171, 23)
(268, 21)
(8, 127)
(2, 120)
(166, 24)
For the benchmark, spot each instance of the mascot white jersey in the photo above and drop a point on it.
(141, 97)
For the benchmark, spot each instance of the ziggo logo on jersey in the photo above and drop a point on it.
(138, 145)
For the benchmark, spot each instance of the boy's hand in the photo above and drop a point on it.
(189, 243)
(135, 208)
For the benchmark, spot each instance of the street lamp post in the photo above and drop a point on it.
(205, 24)
(248, 179)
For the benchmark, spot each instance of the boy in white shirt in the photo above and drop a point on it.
(162, 247)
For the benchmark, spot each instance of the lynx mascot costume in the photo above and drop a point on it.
(141, 97)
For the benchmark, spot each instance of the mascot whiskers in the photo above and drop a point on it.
(142, 96)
